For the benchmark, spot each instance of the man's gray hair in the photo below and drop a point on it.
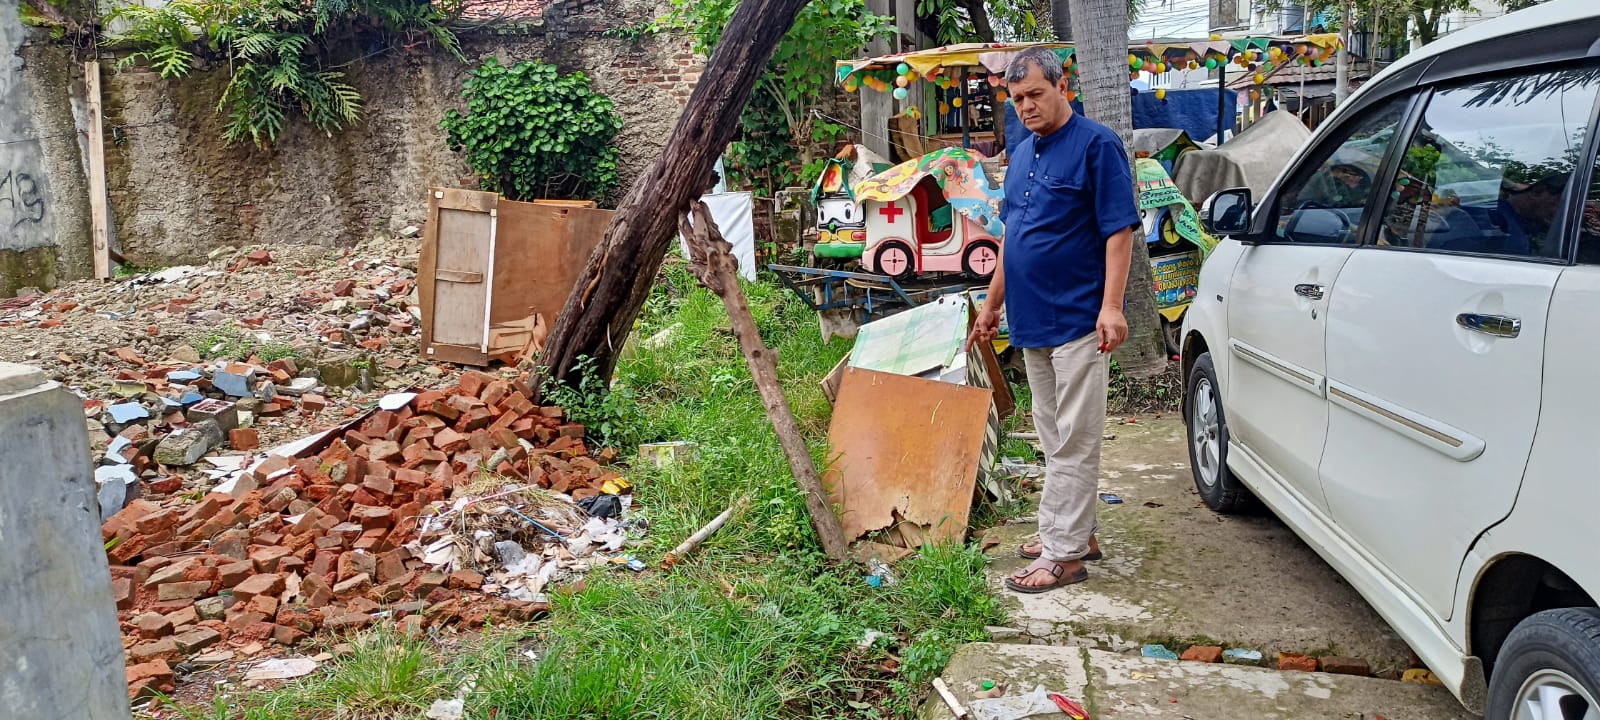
(1044, 58)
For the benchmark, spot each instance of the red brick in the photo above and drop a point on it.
(260, 257)
(355, 586)
(374, 517)
(1296, 662)
(352, 564)
(265, 604)
(183, 590)
(380, 484)
(259, 585)
(391, 565)
(473, 382)
(232, 574)
(266, 559)
(474, 419)
(465, 579)
(316, 592)
(343, 288)
(1346, 666)
(284, 635)
(122, 592)
(156, 522)
(384, 450)
(495, 392)
(165, 486)
(425, 400)
(197, 639)
(163, 649)
(244, 439)
(183, 618)
(1203, 653)
(152, 626)
(147, 679)
(207, 508)
(449, 441)
(553, 412)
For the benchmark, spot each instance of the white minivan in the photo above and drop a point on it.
(1397, 351)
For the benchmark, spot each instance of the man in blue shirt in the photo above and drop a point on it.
(1069, 215)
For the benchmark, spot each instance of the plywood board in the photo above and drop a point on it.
(540, 251)
(463, 249)
(99, 217)
(906, 454)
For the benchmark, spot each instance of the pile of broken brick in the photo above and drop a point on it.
(174, 413)
(330, 537)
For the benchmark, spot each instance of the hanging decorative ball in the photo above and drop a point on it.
(1161, 67)
(1255, 95)
(1001, 96)
(1194, 65)
(957, 102)
(850, 84)
(1259, 78)
(900, 93)
(901, 81)
(902, 69)
(915, 112)
(1215, 37)
(1161, 94)
(911, 76)
(1269, 66)
(1072, 95)
(994, 81)
(944, 108)
(1211, 63)
(1133, 76)
(1133, 60)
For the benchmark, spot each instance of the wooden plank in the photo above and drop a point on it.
(568, 203)
(460, 276)
(460, 354)
(458, 308)
(469, 200)
(427, 269)
(907, 455)
(99, 218)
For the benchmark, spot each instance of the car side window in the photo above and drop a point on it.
(1326, 204)
(1488, 165)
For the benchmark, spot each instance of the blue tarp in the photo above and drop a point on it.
(1193, 111)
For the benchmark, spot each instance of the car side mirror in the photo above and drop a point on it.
(1227, 212)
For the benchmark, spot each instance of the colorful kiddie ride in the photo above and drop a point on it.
(1178, 245)
(841, 228)
(937, 213)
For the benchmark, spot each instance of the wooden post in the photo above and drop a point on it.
(713, 263)
(98, 218)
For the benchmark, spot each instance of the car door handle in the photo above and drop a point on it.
(1497, 325)
(1309, 291)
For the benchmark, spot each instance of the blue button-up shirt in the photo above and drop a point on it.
(1066, 193)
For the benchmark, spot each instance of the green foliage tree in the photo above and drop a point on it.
(531, 132)
(282, 55)
(800, 73)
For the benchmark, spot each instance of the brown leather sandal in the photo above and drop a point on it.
(1022, 552)
(1056, 569)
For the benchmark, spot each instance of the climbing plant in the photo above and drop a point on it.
(283, 56)
(530, 132)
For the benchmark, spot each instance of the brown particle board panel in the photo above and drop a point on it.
(906, 455)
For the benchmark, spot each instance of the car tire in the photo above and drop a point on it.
(898, 254)
(1208, 441)
(1171, 333)
(1552, 658)
(978, 255)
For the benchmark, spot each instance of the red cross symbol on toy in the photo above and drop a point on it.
(891, 211)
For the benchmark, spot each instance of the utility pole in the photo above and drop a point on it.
(1341, 83)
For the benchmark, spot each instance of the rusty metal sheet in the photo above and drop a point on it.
(906, 453)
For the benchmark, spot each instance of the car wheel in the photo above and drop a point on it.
(1208, 441)
(894, 259)
(980, 259)
(1549, 668)
(1170, 332)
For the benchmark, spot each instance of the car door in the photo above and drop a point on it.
(1279, 293)
(1436, 333)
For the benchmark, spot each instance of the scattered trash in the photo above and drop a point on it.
(949, 699)
(446, 710)
(988, 689)
(664, 454)
(1152, 504)
(281, 669)
(879, 574)
(1111, 498)
(602, 506)
(1420, 675)
(1241, 656)
(1016, 707)
(1072, 709)
(869, 638)
(1159, 652)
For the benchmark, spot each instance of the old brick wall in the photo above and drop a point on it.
(177, 191)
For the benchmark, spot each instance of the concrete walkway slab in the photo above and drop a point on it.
(1114, 686)
(1177, 573)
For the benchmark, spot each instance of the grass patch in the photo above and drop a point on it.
(756, 624)
(231, 343)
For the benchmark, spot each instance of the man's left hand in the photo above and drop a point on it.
(1113, 329)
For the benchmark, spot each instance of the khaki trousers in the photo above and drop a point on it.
(1069, 410)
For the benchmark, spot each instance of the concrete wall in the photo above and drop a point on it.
(177, 191)
(44, 213)
(58, 623)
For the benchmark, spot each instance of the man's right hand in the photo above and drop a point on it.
(986, 329)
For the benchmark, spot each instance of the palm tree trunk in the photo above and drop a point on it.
(1102, 49)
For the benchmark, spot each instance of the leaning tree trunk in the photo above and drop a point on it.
(1101, 28)
(616, 281)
